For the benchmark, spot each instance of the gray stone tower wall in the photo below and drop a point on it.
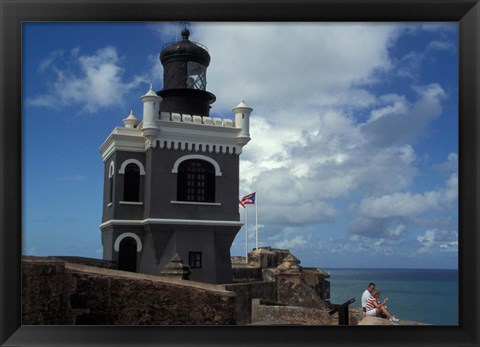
(161, 187)
(117, 210)
(160, 241)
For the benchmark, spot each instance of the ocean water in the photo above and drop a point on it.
(429, 296)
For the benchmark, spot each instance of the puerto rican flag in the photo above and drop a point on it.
(247, 200)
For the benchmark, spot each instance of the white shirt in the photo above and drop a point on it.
(366, 294)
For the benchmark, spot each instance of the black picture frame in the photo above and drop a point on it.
(14, 12)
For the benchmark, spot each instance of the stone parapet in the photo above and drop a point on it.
(245, 293)
(43, 291)
(277, 314)
(383, 321)
(246, 274)
(102, 263)
(55, 292)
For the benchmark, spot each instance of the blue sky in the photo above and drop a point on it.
(354, 150)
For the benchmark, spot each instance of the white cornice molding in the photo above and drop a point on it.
(212, 135)
(170, 222)
(197, 137)
(123, 139)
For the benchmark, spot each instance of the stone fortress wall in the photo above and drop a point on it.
(55, 292)
(76, 291)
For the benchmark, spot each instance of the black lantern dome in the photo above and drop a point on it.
(184, 77)
(187, 49)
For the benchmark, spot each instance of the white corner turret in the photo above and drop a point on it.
(131, 121)
(151, 112)
(242, 121)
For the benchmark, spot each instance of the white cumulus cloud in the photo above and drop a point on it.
(374, 215)
(307, 84)
(89, 81)
(434, 239)
(296, 242)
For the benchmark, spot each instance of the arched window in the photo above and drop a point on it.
(111, 173)
(196, 181)
(110, 193)
(131, 187)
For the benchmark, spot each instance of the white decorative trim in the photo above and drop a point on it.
(130, 203)
(196, 203)
(202, 147)
(116, 246)
(197, 156)
(111, 169)
(131, 161)
(109, 204)
(123, 139)
(188, 118)
(192, 136)
(171, 221)
(212, 135)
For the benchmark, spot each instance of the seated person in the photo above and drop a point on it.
(376, 309)
(366, 294)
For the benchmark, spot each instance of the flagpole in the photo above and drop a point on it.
(256, 220)
(246, 234)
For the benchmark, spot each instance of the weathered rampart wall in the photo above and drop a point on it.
(107, 264)
(275, 314)
(247, 274)
(68, 290)
(246, 292)
(55, 292)
(43, 297)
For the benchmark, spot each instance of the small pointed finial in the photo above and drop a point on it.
(185, 31)
(131, 115)
(131, 121)
(150, 92)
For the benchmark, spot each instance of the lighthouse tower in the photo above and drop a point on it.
(171, 180)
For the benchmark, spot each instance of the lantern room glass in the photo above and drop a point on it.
(196, 76)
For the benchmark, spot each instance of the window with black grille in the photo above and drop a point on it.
(195, 260)
(131, 188)
(196, 181)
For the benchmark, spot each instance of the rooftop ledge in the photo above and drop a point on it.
(187, 118)
(210, 222)
(183, 131)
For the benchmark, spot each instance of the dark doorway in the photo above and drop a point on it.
(127, 255)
